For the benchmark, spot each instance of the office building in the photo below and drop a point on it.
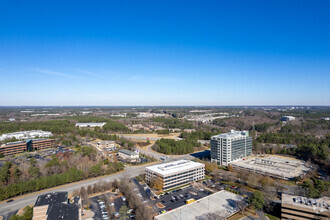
(54, 206)
(302, 208)
(231, 146)
(175, 173)
(26, 146)
(127, 154)
(90, 125)
(287, 118)
(23, 135)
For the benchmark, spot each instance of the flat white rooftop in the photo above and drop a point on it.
(232, 134)
(222, 202)
(176, 166)
(26, 134)
(317, 205)
(282, 167)
(91, 124)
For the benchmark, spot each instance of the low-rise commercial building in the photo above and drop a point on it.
(90, 125)
(221, 204)
(22, 135)
(229, 147)
(127, 154)
(302, 208)
(287, 118)
(54, 206)
(26, 146)
(176, 173)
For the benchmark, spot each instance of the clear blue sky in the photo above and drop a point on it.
(165, 52)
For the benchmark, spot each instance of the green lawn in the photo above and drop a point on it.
(179, 187)
(271, 217)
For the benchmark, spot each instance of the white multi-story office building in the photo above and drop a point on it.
(90, 125)
(22, 135)
(231, 146)
(287, 118)
(176, 173)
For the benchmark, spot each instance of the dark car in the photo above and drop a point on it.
(10, 200)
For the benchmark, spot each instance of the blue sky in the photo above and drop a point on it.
(165, 52)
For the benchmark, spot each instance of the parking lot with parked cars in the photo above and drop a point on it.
(177, 198)
(170, 200)
(99, 208)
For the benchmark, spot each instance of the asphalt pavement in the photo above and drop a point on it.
(131, 171)
(29, 199)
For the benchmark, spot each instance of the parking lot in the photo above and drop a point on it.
(98, 207)
(170, 200)
(221, 186)
(177, 198)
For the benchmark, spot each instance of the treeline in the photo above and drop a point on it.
(61, 169)
(315, 187)
(262, 127)
(28, 214)
(174, 123)
(308, 147)
(62, 126)
(307, 152)
(142, 211)
(171, 146)
(306, 126)
(200, 135)
(297, 139)
(54, 126)
(72, 175)
(15, 189)
(164, 131)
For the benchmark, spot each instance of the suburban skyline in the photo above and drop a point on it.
(173, 53)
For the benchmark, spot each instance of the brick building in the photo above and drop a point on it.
(26, 146)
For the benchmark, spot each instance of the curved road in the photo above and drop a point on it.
(130, 171)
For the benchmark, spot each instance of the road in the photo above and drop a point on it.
(131, 171)
(29, 199)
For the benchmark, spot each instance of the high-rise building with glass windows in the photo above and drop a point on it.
(231, 146)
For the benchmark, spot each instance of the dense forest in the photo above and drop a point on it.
(62, 126)
(200, 135)
(307, 147)
(29, 176)
(170, 146)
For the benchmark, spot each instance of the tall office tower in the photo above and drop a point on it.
(231, 146)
